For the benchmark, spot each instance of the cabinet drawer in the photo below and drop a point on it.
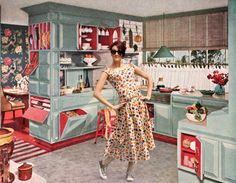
(214, 103)
(184, 100)
(73, 101)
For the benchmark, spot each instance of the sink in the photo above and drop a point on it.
(159, 96)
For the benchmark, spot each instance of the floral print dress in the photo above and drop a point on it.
(131, 137)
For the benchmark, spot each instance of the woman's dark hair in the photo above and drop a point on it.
(120, 45)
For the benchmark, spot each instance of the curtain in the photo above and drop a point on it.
(184, 76)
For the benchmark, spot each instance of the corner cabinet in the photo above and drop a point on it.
(217, 159)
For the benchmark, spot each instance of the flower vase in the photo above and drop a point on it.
(219, 90)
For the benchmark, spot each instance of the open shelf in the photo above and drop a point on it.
(81, 68)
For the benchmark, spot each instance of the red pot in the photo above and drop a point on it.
(25, 171)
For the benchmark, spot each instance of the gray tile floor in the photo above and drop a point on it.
(79, 164)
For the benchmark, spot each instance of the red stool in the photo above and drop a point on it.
(103, 129)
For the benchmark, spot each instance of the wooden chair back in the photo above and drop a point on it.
(5, 104)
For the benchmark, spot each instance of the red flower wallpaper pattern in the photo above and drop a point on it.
(14, 53)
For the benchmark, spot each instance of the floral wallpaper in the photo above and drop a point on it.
(14, 53)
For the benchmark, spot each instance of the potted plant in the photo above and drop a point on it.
(220, 79)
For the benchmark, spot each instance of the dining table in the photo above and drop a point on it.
(18, 93)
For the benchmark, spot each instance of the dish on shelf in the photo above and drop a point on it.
(88, 39)
(90, 61)
(191, 117)
(67, 89)
(84, 36)
(86, 47)
(207, 92)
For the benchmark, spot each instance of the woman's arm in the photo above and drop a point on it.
(146, 76)
(98, 89)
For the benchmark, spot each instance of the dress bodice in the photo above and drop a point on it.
(123, 80)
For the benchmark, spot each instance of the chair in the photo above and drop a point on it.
(105, 121)
(7, 106)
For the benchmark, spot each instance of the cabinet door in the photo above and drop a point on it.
(228, 161)
(91, 121)
(162, 119)
(210, 157)
(178, 113)
(67, 36)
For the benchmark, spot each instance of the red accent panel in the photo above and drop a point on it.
(64, 119)
(32, 66)
(164, 138)
(199, 159)
(80, 112)
(36, 115)
(65, 143)
(150, 108)
(48, 35)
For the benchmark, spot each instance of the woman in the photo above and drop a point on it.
(131, 137)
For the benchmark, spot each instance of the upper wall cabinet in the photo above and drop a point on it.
(96, 38)
(87, 37)
(39, 36)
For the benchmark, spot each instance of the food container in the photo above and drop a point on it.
(191, 117)
(25, 171)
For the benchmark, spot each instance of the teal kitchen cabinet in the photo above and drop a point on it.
(210, 158)
(228, 161)
(53, 29)
(217, 154)
(67, 36)
(162, 123)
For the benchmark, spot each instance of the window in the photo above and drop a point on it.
(194, 56)
(181, 56)
(198, 56)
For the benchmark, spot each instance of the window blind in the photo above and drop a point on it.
(207, 31)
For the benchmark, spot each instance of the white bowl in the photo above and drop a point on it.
(88, 39)
(89, 61)
(68, 90)
(191, 117)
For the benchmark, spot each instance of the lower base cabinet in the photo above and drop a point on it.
(218, 158)
(162, 122)
(228, 161)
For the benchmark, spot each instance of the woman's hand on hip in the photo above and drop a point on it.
(115, 107)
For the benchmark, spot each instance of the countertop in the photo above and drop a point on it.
(200, 95)
(217, 124)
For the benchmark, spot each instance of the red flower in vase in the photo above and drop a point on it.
(219, 78)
